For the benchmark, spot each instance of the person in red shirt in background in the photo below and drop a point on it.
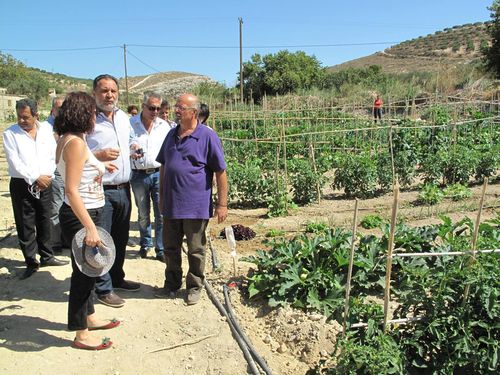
(377, 109)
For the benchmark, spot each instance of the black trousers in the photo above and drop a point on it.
(116, 221)
(80, 293)
(32, 217)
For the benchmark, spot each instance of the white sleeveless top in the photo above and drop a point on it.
(90, 189)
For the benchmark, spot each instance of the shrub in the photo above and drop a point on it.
(430, 194)
(249, 185)
(457, 192)
(357, 175)
(371, 221)
(304, 181)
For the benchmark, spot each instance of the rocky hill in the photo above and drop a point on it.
(168, 84)
(452, 46)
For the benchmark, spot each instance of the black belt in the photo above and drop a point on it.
(147, 171)
(116, 187)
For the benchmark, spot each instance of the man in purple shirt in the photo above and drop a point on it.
(189, 157)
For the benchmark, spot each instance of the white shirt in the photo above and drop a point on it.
(30, 158)
(149, 142)
(116, 134)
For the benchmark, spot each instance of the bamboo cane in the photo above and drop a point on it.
(388, 267)
(474, 238)
(349, 271)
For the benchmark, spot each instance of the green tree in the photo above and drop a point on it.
(280, 73)
(492, 54)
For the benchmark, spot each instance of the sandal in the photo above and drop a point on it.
(112, 324)
(105, 344)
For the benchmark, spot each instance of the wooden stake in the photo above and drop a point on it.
(315, 169)
(478, 218)
(388, 266)
(349, 271)
(474, 238)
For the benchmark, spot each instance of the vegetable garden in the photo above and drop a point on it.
(280, 158)
(443, 279)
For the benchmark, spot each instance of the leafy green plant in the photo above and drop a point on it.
(357, 175)
(368, 353)
(280, 204)
(248, 183)
(430, 194)
(316, 227)
(371, 221)
(304, 181)
(275, 233)
(457, 192)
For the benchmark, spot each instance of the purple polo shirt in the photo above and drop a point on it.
(189, 165)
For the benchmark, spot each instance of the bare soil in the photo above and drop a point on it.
(33, 312)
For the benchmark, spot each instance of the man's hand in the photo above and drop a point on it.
(43, 182)
(220, 213)
(107, 154)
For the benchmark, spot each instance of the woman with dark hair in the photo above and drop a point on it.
(82, 208)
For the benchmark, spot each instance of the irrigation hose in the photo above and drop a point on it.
(239, 340)
(261, 362)
(215, 260)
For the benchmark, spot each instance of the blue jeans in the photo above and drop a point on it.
(146, 190)
(116, 220)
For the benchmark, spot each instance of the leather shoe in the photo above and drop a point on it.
(128, 286)
(30, 270)
(193, 296)
(143, 252)
(53, 262)
(111, 300)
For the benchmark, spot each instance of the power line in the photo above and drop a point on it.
(58, 49)
(255, 47)
(142, 62)
(198, 47)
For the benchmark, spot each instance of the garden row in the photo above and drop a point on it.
(288, 164)
(452, 334)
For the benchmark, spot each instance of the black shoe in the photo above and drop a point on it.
(143, 252)
(30, 270)
(128, 286)
(160, 257)
(52, 262)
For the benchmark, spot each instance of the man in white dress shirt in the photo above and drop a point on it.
(30, 149)
(110, 141)
(150, 131)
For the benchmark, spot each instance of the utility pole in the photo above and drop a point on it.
(241, 59)
(126, 76)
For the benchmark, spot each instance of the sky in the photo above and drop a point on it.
(86, 38)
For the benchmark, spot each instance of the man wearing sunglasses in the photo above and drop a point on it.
(30, 150)
(149, 132)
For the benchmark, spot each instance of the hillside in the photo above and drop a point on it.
(168, 84)
(452, 46)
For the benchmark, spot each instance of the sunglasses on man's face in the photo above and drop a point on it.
(152, 108)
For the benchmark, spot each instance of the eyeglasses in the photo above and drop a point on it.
(152, 108)
(182, 108)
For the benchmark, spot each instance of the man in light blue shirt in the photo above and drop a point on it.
(149, 132)
(110, 142)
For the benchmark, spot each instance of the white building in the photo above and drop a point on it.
(8, 105)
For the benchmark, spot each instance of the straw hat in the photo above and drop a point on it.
(93, 261)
